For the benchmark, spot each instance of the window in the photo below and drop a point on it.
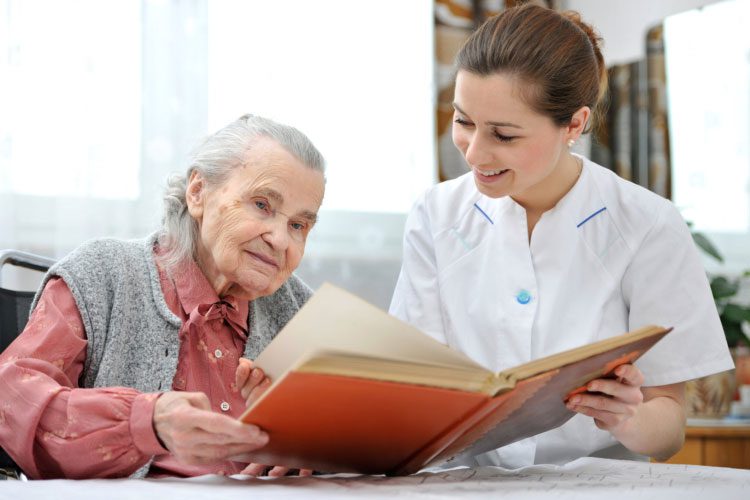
(356, 77)
(70, 98)
(102, 99)
(708, 87)
(707, 53)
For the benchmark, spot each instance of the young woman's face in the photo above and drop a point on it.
(511, 149)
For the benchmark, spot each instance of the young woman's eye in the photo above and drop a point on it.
(461, 121)
(503, 138)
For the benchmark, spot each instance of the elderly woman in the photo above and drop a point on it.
(132, 361)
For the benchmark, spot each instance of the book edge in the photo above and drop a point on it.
(563, 358)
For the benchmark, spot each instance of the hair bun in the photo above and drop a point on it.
(596, 44)
(594, 37)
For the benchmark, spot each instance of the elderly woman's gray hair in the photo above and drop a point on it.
(215, 159)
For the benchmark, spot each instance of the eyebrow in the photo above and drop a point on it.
(278, 199)
(496, 124)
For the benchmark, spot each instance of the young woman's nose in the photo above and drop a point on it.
(476, 152)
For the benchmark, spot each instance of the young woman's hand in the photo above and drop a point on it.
(612, 403)
(647, 420)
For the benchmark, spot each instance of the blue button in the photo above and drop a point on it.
(523, 297)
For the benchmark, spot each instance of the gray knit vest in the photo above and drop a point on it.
(132, 335)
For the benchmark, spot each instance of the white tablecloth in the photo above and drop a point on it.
(598, 478)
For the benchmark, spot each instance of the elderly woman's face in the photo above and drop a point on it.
(253, 228)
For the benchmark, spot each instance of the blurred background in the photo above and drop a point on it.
(101, 99)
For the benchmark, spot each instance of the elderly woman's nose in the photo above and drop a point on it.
(277, 234)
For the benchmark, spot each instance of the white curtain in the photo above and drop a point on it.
(101, 99)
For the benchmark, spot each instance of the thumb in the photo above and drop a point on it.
(244, 368)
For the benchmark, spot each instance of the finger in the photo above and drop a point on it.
(600, 403)
(216, 423)
(603, 419)
(278, 471)
(256, 377)
(242, 373)
(197, 437)
(258, 391)
(255, 470)
(305, 472)
(626, 393)
(630, 375)
(212, 453)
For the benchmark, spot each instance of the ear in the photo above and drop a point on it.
(577, 124)
(195, 195)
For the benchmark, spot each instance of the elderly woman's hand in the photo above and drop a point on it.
(195, 435)
(252, 383)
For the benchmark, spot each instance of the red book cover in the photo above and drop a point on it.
(356, 390)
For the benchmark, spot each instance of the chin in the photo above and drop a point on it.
(492, 193)
(255, 290)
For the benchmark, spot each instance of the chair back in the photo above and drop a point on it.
(14, 312)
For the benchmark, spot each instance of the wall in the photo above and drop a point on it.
(623, 23)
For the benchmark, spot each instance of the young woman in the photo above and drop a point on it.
(538, 250)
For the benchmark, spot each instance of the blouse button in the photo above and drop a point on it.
(523, 297)
(224, 406)
(218, 353)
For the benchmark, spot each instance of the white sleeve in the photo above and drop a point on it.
(666, 284)
(416, 298)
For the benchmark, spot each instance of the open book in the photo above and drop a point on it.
(357, 390)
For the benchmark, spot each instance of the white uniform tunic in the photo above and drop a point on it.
(610, 257)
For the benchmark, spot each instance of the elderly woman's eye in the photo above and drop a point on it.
(297, 226)
(261, 205)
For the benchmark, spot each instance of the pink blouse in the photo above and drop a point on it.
(53, 428)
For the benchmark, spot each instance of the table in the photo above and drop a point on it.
(722, 443)
(594, 478)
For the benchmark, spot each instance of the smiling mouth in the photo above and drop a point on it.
(491, 173)
(265, 259)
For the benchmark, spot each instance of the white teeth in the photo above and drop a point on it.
(488, 173)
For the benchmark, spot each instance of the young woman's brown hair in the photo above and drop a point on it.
(555, 55)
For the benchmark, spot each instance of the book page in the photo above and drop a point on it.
(335, 320)
(406, 372)
(541, 365)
